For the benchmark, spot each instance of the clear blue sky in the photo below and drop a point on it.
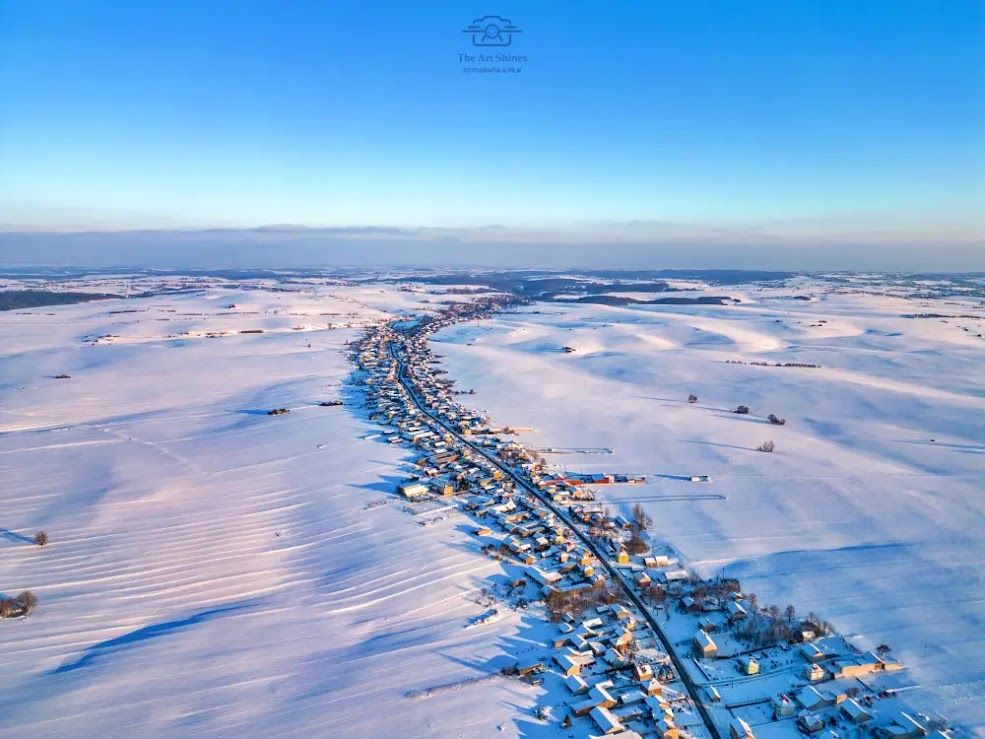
(823, 114)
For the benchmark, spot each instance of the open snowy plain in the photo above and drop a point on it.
(214, 570)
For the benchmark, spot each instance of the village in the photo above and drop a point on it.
(642, 646)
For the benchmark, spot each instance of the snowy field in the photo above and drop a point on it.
(870, 511)
(213, 570)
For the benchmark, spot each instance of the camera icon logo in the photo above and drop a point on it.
(492, 30)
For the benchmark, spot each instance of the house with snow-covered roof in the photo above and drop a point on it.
(704, 645)
(739, 729)
(605, 720)
(854, 712)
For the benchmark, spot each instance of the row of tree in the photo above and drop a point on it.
(24, 603)
(561, 603)
(743, 410)
(771, 626)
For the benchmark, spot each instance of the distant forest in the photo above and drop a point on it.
(14, 299)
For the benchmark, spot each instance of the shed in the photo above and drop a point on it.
(749, 665)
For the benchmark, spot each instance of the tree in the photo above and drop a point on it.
(636, 545)
(27, 601)
(692, 398)
(751, 599)
(656, 593)
(776, 421)
(742, 410)
(41, 538)
(766, 446)
(8, 608)
(790, 613)
(641, 520)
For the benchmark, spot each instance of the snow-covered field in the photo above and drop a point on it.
(213, 570)
(870, 511)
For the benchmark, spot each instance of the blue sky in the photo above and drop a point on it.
(795, 119)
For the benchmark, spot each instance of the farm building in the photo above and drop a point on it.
(412, 489)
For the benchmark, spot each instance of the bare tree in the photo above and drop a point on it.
(41, 538)
(641, 520)
(656, 593)
(790, 613)
(776, 421)
(742, 410)
(692, 398)
(636, 545)
(766, 446)
(27, 601)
